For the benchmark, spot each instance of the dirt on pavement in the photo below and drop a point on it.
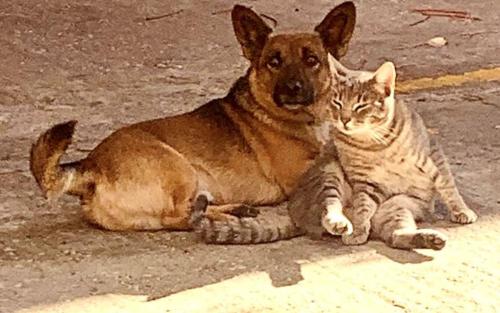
(102, 63)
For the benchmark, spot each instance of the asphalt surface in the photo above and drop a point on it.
(100, 62)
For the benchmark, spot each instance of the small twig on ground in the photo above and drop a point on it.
(410, 47)
(421, 21)
(221, 11)
(447, 13)
(13, 172)
(470, 35)
(482, 100)
(152, 18)
(405, 65)
(13, 15)
(272, 19)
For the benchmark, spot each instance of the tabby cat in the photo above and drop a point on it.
(394, 168)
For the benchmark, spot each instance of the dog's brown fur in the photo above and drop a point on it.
(248, 147)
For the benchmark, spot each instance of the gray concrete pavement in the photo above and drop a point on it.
(100, 63)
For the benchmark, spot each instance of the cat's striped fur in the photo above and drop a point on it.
(243, 228)
(394, 168)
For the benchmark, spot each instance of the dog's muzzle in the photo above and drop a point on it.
(293, 94)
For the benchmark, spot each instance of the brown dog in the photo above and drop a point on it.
(249, 147)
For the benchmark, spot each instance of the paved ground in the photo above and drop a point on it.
(101, 63)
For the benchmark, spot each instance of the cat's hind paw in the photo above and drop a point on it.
(354, 239)
(429, 239)
(358, 237)
(464, 216)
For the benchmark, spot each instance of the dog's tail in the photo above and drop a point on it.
(53, 178)
(244, 230)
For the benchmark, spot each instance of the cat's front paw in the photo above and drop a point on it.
(358, 237)
(337, 227)
(334, 221)
(464, 216)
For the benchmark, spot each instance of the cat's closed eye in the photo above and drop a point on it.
(358, 107)
(337, 104)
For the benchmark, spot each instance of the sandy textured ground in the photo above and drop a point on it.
(100, 62)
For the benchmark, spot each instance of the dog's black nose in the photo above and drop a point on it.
(295, 86)
(293, 91)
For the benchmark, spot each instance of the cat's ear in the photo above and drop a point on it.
(335, 67)
(385, 78)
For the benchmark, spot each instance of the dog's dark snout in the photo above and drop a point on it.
(293, 91)
(295, 86)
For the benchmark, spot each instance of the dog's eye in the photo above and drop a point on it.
(312, 61)
(358, 107)
(274, 62)
(336, 103)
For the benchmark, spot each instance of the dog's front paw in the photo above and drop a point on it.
(464, 216)
(358, 237)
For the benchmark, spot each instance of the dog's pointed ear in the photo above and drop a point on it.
(337, 27)
(251, 31)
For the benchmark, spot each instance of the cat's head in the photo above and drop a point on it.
(360, 105)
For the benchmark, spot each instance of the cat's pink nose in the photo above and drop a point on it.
(345, 119)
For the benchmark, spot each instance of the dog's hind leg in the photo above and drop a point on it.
(394, 223)
(151, 188)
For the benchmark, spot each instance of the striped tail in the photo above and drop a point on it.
(241, 231)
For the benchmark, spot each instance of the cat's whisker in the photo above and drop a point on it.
(386, 133)
(386, 130)
(378, 137)
(375, 137)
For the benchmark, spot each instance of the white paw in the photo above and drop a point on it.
(465, 216)
(429, 239)
(335, 221)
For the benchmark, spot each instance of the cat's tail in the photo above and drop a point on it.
(244, 230)
(53, 178)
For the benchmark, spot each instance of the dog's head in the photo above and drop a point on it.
(290, 72)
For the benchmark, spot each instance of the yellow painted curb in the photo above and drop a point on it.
(481, 75)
